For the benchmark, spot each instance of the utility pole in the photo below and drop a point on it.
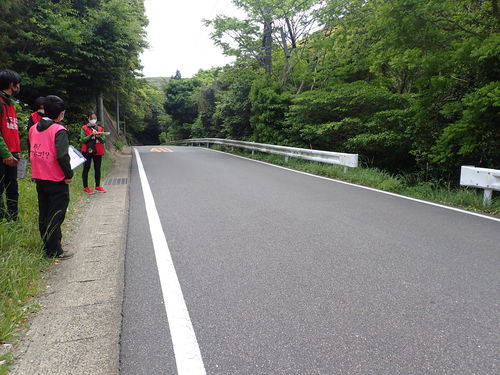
(100, 109)
(118, 111)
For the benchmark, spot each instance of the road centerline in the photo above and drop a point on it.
(187, 352)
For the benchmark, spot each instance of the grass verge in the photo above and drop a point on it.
(22, 260)
(467, 198)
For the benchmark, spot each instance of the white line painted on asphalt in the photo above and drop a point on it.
(363, 187)
(187, 352)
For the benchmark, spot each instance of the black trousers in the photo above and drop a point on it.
(97, 169)
(9, 187)
(53, 200)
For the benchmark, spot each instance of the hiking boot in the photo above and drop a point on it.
(89, 190)
(100, 189)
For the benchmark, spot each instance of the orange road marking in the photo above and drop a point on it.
(160, 149)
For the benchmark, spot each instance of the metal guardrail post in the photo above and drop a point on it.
(487, 196)
(483, 178)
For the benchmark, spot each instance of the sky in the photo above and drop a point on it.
(177, 38)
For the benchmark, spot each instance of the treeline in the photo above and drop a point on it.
(411, 85)
(77, 49)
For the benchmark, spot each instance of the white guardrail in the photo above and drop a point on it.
(483, 178)
(338, 158)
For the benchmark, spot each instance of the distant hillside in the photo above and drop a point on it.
(157, 82)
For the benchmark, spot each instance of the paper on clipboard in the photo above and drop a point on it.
(76, 157)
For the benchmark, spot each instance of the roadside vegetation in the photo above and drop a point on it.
(437, 191)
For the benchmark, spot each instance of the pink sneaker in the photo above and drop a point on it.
(100, 189)
(89, 190)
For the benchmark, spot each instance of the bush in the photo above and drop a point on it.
(119, 145)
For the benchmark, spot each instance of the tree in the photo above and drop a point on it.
(264, 29)
(75, 49)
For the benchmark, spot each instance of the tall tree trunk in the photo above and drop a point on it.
(267, 44)
(286, 68)
(290, 31)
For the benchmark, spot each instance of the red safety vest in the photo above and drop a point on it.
(43, 154)
(35, 117)
(99, 146)
(9, 126)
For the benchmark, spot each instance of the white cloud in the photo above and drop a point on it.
(178, 39)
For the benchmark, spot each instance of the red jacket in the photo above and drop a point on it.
(9, 126)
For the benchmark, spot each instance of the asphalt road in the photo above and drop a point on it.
(284, 273)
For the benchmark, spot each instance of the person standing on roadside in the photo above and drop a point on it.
(93, 140)
(38, 114)
(10, 144)
(51, 169)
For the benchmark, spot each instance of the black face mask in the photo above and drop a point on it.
(15, 92)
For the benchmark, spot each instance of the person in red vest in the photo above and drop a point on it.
(10, 144)
(35, 116)
(38, 114)
(93, 140)
(51, 169)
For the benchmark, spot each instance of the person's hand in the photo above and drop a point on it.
(68, 181)
(98, 135)
(11, 161)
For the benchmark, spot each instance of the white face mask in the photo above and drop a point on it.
(93, 122)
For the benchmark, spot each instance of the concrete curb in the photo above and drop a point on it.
(77, 331)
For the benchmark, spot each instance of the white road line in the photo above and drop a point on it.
(363, 187)
(187, 352)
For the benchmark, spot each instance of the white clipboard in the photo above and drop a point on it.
(76, 157)
(21, 167)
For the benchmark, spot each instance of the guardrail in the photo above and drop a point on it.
(484, 178)
(337, 158)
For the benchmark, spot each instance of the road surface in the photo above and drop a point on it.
(285, 273)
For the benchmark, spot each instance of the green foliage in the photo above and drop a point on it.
(119, 145)
(5, 361)
(76, 50)
(410, 85)
(269, 104)
(475, 138)
(354, 117)
(180, 104)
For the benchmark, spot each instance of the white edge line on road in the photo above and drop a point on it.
(363, 187)
(187, 352)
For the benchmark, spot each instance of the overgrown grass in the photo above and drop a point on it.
(22, 260)
(466, 198)
(5, 361)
